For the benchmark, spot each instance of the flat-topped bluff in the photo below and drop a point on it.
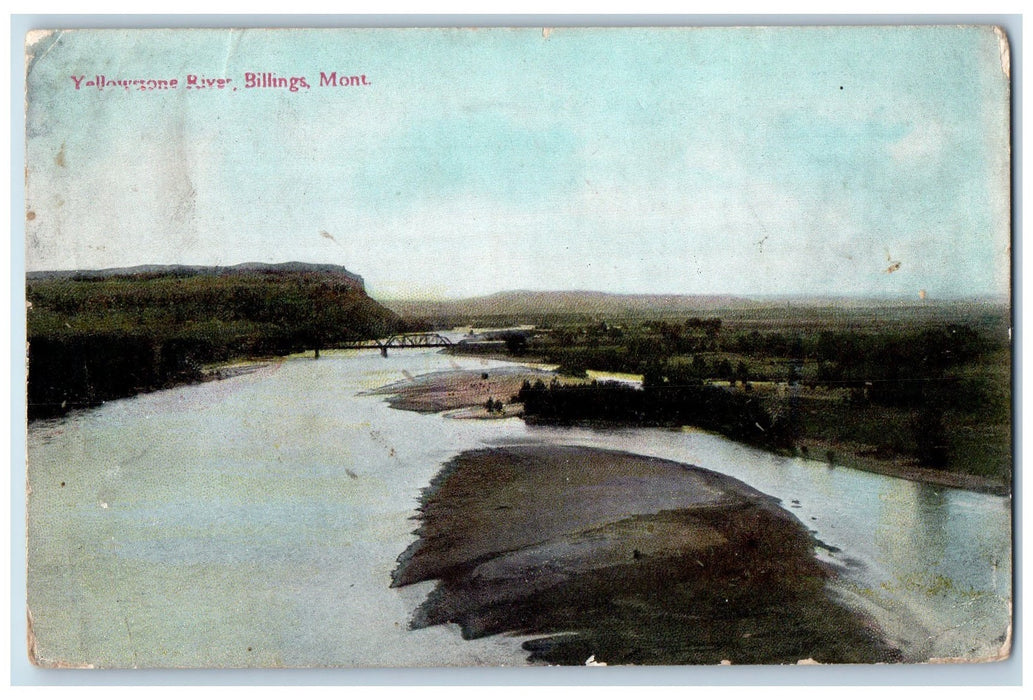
(97, 335)
(201, 270)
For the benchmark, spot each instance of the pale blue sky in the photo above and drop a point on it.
(744, 161)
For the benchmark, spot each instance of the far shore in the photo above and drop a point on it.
(463, 394)
(854, 457)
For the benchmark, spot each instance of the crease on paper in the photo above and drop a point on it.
(231, 47)
(1003, 653)
(38, 44)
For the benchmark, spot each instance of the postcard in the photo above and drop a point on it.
(518, 346)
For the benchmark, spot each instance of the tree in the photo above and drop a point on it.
(516, 343)
(742, 372)
(699, 367)
(724, 370)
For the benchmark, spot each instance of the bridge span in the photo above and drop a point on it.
(403, 340)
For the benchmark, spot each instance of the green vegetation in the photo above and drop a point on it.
(94, 338)
(661, 401)
(912, 386)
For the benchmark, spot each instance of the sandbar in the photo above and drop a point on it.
(626, 559)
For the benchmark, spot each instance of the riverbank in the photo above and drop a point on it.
(237, 368)
(630, 559)
(463, 393)
(860, 457)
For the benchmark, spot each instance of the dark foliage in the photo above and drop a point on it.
(95, 339)
(660, 402)
(904, 386)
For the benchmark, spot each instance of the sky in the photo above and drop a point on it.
(828, 162)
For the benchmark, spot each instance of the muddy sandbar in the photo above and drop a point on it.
(629, 559)
(455, 389)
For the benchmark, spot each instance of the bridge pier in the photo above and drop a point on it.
(383, 351)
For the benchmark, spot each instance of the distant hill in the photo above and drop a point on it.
(530, 306)
(203, 270)
(539, 303)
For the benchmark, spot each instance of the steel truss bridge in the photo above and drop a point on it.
(403, 340)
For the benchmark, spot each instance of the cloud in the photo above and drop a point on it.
(925, 141)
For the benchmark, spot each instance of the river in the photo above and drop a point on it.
(255, 522)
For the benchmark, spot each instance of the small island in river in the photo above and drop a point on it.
(628, 560)
(464, 389)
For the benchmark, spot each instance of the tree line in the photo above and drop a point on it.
(924, 374)
(661, 401)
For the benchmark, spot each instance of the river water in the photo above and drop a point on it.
(255, 522)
